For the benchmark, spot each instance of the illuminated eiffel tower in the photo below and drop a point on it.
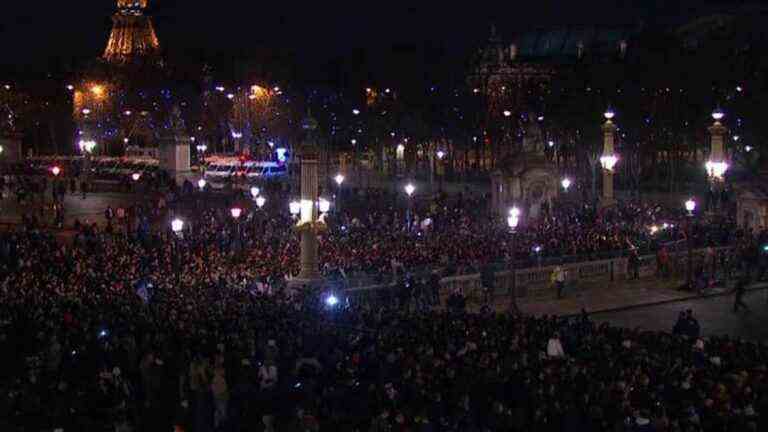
(133, 35)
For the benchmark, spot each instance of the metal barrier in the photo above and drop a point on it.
(535, 282)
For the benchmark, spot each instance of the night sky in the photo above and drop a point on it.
(314, 36)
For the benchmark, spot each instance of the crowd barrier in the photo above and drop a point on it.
(536, 282)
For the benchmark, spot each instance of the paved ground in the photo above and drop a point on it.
(715, 314)
(90, 209)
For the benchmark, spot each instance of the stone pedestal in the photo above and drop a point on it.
(11, 144)
(175, 157)
(607, 199)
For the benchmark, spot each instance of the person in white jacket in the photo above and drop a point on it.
(554, 347)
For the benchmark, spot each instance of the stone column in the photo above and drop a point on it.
(309, 221)
(609, 130)
(717, 158)
(717, 145)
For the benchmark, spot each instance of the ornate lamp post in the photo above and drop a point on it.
(339, 179)
(409, 190)
(609, 159)
(512, 221)
(716, 165)
(177, 225)
(440, 169)
(690, 206)
(309, 223)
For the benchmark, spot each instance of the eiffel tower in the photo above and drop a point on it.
(133, 35)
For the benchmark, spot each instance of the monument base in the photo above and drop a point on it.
(297, 282)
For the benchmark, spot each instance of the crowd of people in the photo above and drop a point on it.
(107, 334)
(129, 326)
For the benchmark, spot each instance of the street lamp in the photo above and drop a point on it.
(690, 206)
(56, 170)
(339, 179)
(507, 113)
(295, 208)
(236, 212)
(440, 154)
(356, 111)
(718, 114)
(260, 201)
(177, 225)
(512, 221)
(136, 176)
(608, 162)
(201, 184)
(255, 192)
(409, 190)
(323, 205)
(566, 183)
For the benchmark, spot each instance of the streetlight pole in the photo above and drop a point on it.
(177, 225)
(690, 206)
(512, 221)
(440, 169)
(409, 190)
(339, 179)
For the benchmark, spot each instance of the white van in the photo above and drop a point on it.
(256, 170)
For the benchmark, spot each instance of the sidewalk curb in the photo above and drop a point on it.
(762, 286)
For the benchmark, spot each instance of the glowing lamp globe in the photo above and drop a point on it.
(236, 212)
(331, 300)
(716, 170)
(609, 114)
(608, 162)
(410, 189)
(718, 114)
(56, 170)
(513, 221)
(260, 201)
(514, 211)
(507, 113)
(294, 207)
(440, 154)
(339, 179)
(201, 183)
(566, 183)
(177, 225)
(654, 229)
(355, 111)
(690, 205)
(136, 176)
(255, 191)
(323, 205)
(1, 149)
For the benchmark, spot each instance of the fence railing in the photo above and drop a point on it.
(535, 282)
